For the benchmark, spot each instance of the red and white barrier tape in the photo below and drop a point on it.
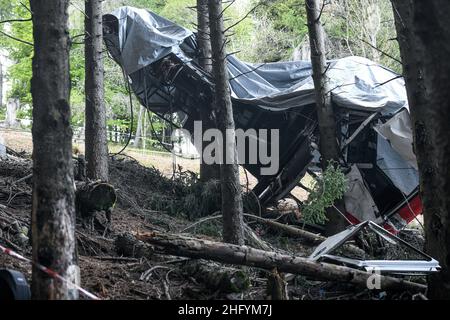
(48, 271)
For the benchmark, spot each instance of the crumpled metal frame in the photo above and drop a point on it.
(400, 267)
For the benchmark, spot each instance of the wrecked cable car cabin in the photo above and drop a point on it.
(160, 60)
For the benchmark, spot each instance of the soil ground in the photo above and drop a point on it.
(148, 199)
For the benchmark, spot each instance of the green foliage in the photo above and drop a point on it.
(270, 33)
(178, 11)
(20, 72)
(288, 16)
(352, 25)
(325, 192)
(267, 43)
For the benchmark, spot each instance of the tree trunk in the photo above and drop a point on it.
(208, 172)
(218, 277)
(276, 286)
(243, 255)
(53, 214)
(96, 137)
(203, 36)
(12, 106)
(127, 245)
(138, 138)
(372, 14)
(424, 39)
(1, 84)
(233, 229)
(289, 230)
(329, 148)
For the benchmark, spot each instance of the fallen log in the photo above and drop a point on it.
(302, 234)
(213, 276)
(128, 246)
(243, 255)
(217, 277)
(296, 232)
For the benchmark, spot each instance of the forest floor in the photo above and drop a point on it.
(150, 199)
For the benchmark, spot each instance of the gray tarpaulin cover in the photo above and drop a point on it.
(356, 82)
(398, 130)
(358, 200)
(145, 37)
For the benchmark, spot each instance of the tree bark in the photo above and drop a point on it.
(203, 36)
(127, 245)
(1, 84)
(138, 138)
(276, 286)
(12, 106)
(96, 135)
(303, 234)
(329, 148)
(94, 197)
(424, 39)
(232, 207)
(243, 255)
(208, 172)
(217, 277)
(289, 230)
(53, 213)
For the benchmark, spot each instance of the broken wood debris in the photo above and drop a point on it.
(301, 234)
(218, 277)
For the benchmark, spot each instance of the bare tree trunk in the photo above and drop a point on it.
(138, 138)
(96, 137)
(424, 39)
(373, 23)
(208, 172)
(203, 36)
(233, 226)
(12, 106)
(329, 148)
(1, 84)
(53, 214)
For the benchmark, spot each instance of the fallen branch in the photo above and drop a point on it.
(116, 259)
(302, 234)
(252, 238)
(296, 232)
(243, 255)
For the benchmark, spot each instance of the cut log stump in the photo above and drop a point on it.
(93, 197)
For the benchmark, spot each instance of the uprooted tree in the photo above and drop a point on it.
(424, 39)
(53, 213)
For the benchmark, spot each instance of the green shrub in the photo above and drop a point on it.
(325, 191)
